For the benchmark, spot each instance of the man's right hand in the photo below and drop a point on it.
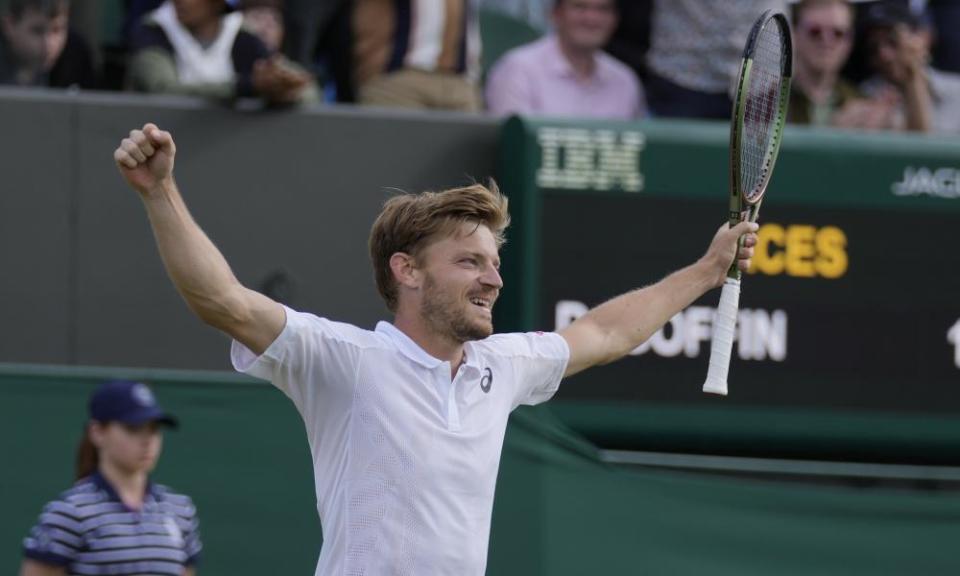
(145, 158)
(275, 80)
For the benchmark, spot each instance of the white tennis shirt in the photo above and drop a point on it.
(405, 460)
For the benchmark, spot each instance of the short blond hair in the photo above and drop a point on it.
(409, 222)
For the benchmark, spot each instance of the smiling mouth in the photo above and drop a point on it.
(484, 303)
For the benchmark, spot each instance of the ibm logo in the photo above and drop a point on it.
(581, 159)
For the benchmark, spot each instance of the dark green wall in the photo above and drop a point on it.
(241, 453)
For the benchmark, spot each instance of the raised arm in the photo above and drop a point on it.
(196, 267)
(614, 328)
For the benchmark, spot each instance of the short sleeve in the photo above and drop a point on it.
(538, 361)
(192, 546)
(56, 538)
(311, 357)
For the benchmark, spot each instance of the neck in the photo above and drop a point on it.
(818, 85)
(583, 61)
(434, 344)
(207, 32)
(131, 487)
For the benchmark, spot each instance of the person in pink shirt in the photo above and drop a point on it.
(566, 73)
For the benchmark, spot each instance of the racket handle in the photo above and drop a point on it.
(722, 344)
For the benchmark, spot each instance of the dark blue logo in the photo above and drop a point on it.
(487, 381)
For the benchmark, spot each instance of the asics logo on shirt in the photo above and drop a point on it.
(487, 381)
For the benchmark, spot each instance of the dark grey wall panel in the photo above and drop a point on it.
(292, 193)
(36, 179)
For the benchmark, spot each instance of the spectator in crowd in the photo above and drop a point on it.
(318, 36)
(566, 73)
(114, 520)
(417, 54)
(695, 51)
(899, 43)
(823, 32)
(264, 19)
(38, 48)
(197, 47)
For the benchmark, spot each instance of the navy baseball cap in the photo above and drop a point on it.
(127, 402)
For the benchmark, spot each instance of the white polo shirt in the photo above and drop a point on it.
(405, 460)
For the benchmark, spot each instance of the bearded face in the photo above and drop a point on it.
(456, 314)
(461, 283)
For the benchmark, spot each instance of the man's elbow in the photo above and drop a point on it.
(224, 311)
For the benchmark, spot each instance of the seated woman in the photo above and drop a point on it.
(114, 520)
(199, 47)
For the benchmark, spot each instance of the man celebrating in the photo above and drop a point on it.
(567, 73)
(406, 422)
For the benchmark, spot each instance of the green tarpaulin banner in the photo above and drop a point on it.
(561, 510)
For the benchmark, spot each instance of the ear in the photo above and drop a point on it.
(405, 271)
(97, 432)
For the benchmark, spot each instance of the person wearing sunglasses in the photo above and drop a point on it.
(821, 96)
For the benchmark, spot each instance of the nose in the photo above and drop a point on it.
(491, 277)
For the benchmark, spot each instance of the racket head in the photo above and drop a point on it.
(759, 111)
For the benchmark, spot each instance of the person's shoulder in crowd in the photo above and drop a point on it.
(527, 56)
(146, 35)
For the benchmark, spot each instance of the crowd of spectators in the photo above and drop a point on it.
(867, 65)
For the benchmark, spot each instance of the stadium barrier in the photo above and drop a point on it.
(561, 510)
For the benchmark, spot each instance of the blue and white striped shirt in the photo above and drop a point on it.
(91, 532)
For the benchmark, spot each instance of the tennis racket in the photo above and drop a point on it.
(759, 113)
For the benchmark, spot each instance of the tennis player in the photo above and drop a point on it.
(406, 422)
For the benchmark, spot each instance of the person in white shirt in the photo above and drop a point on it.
(406, 422)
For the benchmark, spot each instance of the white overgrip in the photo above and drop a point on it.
(722, 344)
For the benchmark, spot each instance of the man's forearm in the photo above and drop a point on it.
(196, 267)
(630, 319)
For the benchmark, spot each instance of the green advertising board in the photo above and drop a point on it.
(853, 301)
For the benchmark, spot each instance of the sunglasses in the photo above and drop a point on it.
(836, 33)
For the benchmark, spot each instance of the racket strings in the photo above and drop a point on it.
(761, 109)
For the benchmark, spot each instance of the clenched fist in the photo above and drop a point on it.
(145, 158)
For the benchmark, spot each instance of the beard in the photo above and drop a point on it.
(445, 315)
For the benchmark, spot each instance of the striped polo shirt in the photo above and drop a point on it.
(89, 531)
(430, 35)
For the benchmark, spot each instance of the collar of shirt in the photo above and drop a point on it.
(102, 483)
(416, 354)
(558, 64)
